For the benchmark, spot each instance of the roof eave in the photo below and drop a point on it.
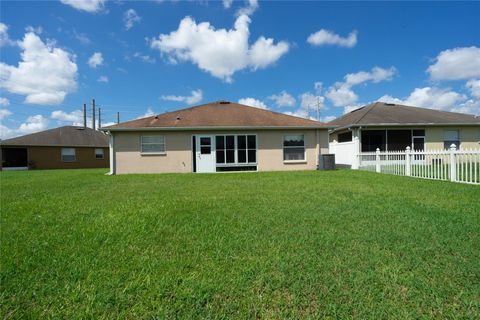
(356, 125)
(216, 128)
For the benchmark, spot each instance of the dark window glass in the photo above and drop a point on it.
(345, 137)
(205, 150)
(373, 139)
(398, 140)
(220, 142)
(252, 142)
(294, 153)
(419, 133)
(252, 156)
(241, 142)
(242, 156)
(230, 142)
(448, 144)
(418, 143)
(205, 141)
(220, 156)
(293, 141)
(230, 155)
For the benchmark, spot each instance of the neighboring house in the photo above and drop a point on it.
(216, 137)
(392, 127)
(66, 147)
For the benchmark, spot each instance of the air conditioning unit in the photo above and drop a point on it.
(326, 162)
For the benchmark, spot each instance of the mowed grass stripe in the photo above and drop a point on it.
(341, 244)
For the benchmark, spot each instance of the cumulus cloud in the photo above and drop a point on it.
(4, 101)
(86, 5)
(103, 79)
(429, 97)
(326, 37)
(147, 113)
(194, 97)
(75, 117)
(252, 102)
(45, 75)
(283, 99)
(95, 60)
(249, 9)
(33, 124)
(474, 87)
(341, 93)
(456, 64)
(4, 38)
(227, 3)
(130, 18)
(220, 52)
(144, 57)
(4, 113)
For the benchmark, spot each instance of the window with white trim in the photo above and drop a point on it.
(294, 147)
(68, 155)
(451, 137)
(152, 144)
(98, 153)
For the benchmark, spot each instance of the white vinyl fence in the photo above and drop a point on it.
(344, 152)
(452, 165)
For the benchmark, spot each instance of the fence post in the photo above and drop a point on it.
(408, 167)
(356, 154)
(377, 161)
(453, 164)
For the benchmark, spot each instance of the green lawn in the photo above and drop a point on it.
(342, 244)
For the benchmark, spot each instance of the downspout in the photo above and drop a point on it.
(111, 149)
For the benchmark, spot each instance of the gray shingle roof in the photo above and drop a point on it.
(64, 136)
(380, 113)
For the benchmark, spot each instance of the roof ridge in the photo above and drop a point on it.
(371, 106)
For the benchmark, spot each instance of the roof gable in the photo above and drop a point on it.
(218, 114)
(380, 113)
(63, 136)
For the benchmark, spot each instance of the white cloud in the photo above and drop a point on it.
(33, 124)
(4, 101)
(103, 79)
(253, 103)
(318, 86)
(327, 37)
(144, 57)
(283, 99)
(429, 97)
(130, 17)
(341, 93)
(456, 64)
(327, 118)
(82, 37)
(249, 9)
(4, 38)
(85, 5)
(195, 97)
(474, 87)
(45, 75)
(95, 60)
(4, 113)
(147, 113)
(75, 117)
(227, 3)
(220, 52)
(308, 106)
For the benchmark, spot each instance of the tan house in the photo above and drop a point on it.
(392, 127)
(216, 137)
(67, 147)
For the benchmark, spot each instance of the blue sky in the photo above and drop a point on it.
(141, 58)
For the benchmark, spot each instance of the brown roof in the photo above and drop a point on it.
(68, 136)
(380, 113)
(222, 114)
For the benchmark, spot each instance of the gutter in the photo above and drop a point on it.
(405, 125)
(107, 129)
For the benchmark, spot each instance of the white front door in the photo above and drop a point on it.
(205, 153)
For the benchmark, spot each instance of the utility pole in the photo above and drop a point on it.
(118, 117)
(84, 115)
(318, 108)
(99, 117)
(93, 114)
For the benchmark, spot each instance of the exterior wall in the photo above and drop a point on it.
(178, 157)
(469, 137)
(51, 158)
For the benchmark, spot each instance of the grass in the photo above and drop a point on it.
(341, 244)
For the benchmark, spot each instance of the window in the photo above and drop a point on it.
(294, 147)
(236, 149)
(373, 139)
(153, 144)
(68, 154)
(451, 137)
(98, 153)
(345, 137)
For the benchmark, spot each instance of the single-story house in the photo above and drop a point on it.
(392, 127)
(216, 137)
(67, 147)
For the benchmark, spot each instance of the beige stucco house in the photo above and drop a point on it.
(216, 137)
(392, 127)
